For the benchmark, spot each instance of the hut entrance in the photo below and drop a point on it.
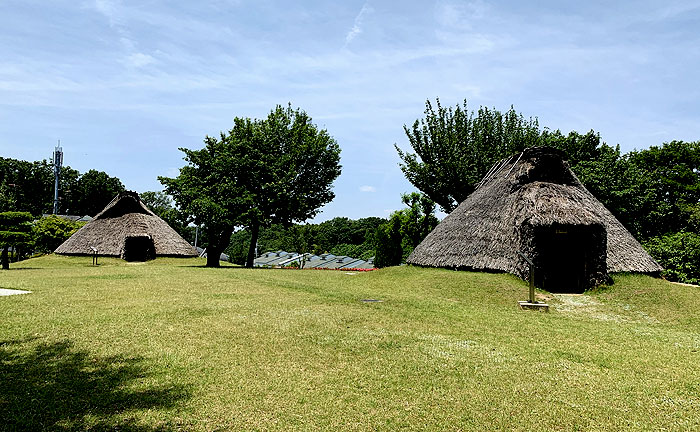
(138, 248)
(569, 258)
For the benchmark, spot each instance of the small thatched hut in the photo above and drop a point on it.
(533, 204)
(126, 228)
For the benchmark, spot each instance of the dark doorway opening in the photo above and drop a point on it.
(139, 248)
(569, 258)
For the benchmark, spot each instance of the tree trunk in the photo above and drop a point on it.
(217, 243)
(5, 259)
(254, 231)
(213, 255)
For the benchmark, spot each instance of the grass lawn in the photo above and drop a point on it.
(170, 344)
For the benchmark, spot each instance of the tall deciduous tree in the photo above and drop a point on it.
(159, 202)
(406, 228)
(208, 191)
(14, 231)
(163, 206)
(25, 186)
(68, 192)
(455, 147)
(276, 170)
(294, 169)
(95, 189)
(671, 173)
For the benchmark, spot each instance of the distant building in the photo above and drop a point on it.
(203, 254)
(323, 261)
(74, 218)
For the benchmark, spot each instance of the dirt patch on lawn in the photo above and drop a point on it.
(586, 305)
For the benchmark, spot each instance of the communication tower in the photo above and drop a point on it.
(57, 163)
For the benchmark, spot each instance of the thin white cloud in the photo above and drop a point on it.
(357, 27)
(461, 15)
(138, 60)
(109, 9)
(470, 91)
(116, 14)
(367, 189)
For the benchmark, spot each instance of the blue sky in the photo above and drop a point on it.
(123, 84)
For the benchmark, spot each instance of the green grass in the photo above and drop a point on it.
(172, 345)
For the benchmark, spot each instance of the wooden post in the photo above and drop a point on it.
(531, 303)
(532, 283)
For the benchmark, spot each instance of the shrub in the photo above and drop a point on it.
(679, 254)
(49, 232)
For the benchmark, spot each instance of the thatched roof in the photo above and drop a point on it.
(533, 189)
(125, 216)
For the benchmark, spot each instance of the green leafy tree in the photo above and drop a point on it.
(26, 186)
(294, 168)
(653, 192)
(454, 148)
(29, 186)
(49, 232)
(388, 239)
(679, 255)
(670, 175)
(164, 207)
(270, 239)
(333, 232)
(405, 229)
(15, 229)
(347, 249)
(339, 236)
(620, 185)
(68, 191)
(578, 148)
(262, 172)
(208, 191)
(237, 249)
(416, 221)
(301, 241)
(94, 190)
(158, 201)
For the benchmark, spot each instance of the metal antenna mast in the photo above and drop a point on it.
(57, 163)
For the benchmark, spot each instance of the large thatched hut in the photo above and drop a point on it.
(532, 204)
(126, 228)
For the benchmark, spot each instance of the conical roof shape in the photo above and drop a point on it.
(125, 218)
(532, 205)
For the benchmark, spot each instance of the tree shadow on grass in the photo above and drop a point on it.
(14, 269)
(55, 387)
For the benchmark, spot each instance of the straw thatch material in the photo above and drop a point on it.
(126, 217)
(520, 199)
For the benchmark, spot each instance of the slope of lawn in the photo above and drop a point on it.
(171, 345)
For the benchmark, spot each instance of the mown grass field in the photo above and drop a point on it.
(170, 345)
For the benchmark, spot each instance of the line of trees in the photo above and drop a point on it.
(338, 236)
(389, 241)
(29, 187)
(21, 234)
